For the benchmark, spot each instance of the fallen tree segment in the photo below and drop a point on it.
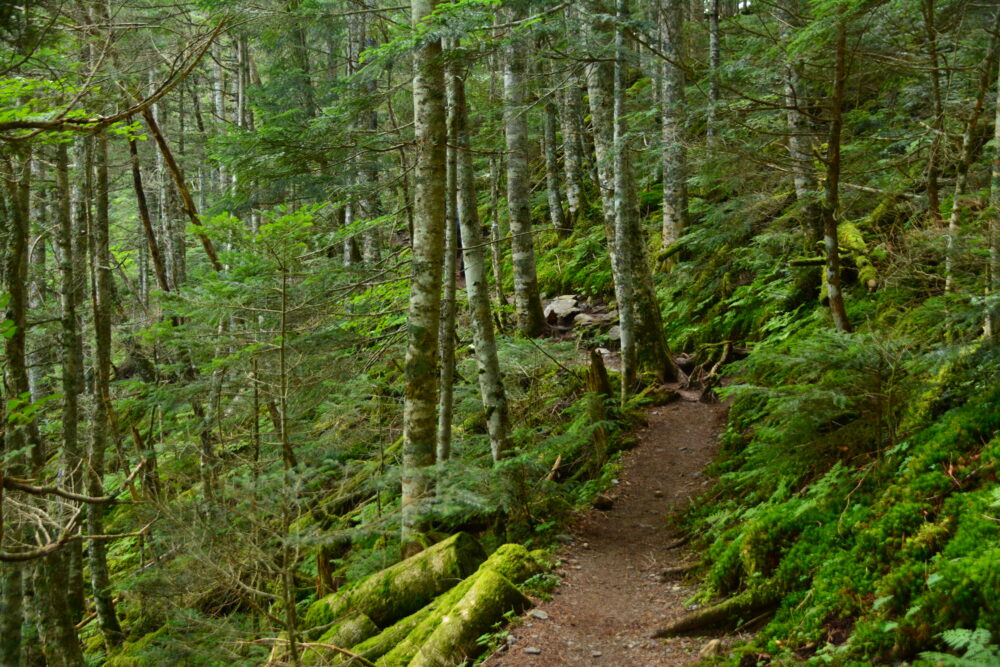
(398, 591)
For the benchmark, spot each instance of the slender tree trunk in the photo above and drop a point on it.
(490, 379)
(159, 269)
(497, 233)
(675, 198)
(714, 63)
(421, 391)
(571, 119)
(102, 419)
(831, 204)
(15, 440)
(991, 327)
(929, 12)
(11, 613)
(965, 158)
(556, 214)
(621, 266)
(527, 302)
(446, 331)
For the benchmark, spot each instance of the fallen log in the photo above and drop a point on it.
(727, 612)
(511, 561)
(352, 630)
(454, 641)
(398, 591)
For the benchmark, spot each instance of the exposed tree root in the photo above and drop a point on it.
(727, 612)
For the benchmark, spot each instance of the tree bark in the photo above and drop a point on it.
(991, 327)
(527, 302)
(102, 417)
(675, 197)
(556, 214)
(965, 158)
(714, 63)
(421, 391)
(571, 119)
(446, 330)
(831, 204)
(490, 379)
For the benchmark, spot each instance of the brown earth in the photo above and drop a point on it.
(613, 597)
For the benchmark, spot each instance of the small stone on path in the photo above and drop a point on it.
(531, 650)
(539, 614)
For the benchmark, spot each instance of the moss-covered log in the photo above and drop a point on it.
(511, 561)
(375, 647)
(352, 630)
(454, 641)
(727, 612)
(402, 589)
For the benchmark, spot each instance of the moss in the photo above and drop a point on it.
(138, 653)
(353, 630)
(454, 640)
(511, 561)
(375, 647)
(402, 589)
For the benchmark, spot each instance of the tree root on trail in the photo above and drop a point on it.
(727, 612)
(678, 570)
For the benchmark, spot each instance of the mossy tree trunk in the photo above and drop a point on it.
(673, 112)
(491, 385)
(101, 432)
(421, 392)
(527, 301)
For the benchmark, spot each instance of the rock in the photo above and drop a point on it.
(562, 308)
(564, 538)
(604, 501)
(531, 650)
(658, 493)
(596, 654)
(615, 333)
(539, 614)
(712, 649)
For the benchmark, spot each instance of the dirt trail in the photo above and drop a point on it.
(612, 596)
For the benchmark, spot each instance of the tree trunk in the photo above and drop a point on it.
(571, 119)
(102, 417)
(421, 391)
(831, 203)
(929, 12)
(623, 212)
(675, 198)
(446, 330)
(714, 63)
(991, 327)
(556, 214)
(965, 159)
(497, 234)
(490, 379)
(527, 302)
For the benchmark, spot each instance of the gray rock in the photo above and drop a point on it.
(539, 614)
(531, 650)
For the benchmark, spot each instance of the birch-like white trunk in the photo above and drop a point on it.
(571, 120)
(421, 392)
(527, 302)
(484, 340)
(675, 198)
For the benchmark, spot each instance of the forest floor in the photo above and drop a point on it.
(613, 595)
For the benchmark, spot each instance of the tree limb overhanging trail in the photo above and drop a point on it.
(623, 572)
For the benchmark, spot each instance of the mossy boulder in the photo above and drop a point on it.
(400, 590)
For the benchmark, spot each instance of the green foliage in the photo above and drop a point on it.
(974, 645)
